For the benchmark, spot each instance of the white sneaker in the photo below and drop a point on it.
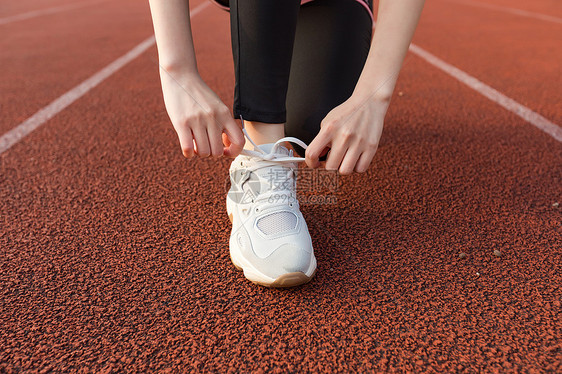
(270, 241)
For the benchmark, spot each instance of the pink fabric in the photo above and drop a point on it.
(364, 3)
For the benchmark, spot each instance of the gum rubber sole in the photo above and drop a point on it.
(285, 280)
(291, 280)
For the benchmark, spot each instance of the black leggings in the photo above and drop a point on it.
(295, 63)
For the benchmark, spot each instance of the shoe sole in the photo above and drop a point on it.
(283, 281)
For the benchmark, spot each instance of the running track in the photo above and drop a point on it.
(114, 249)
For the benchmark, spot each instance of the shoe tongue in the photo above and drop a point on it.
(269, 146)
(272, 177)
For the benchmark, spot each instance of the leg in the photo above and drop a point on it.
(263, 33)
(331, 46)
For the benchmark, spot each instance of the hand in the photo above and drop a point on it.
(351, 133)
(202, 121)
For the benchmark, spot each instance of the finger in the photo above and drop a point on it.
(318, 147)
(235, 137)
(350, 160)
(336, 155)
(225, 140)
(215, 140)
(186, 141)
(201, 141)
(232, 149)
(365, 160)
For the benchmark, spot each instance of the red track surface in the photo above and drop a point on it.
(114, 249)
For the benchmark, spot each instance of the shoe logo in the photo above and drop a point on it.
(244, 187)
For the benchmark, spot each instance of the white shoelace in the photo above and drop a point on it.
(273, 155)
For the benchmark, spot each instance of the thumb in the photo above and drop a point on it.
(234, 139)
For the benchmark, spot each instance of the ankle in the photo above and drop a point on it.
(263, 133)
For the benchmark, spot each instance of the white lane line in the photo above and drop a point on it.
(519, 12)
(26, 127)
(43, 12)
(19, 132)
(511, 105)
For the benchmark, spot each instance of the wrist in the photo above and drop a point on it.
(374, 92)
(179, 68)
(378, 96)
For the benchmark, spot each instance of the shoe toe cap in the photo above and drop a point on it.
(288, 258)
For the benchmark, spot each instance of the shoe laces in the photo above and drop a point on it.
(275, 158)
(273, 155)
